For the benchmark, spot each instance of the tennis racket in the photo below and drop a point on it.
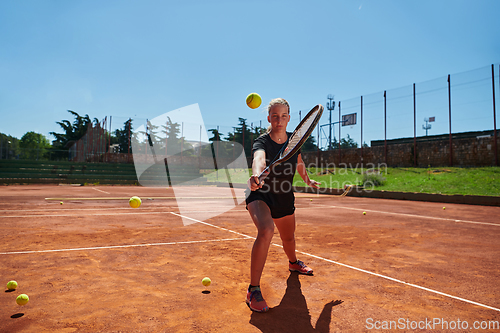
(296, 140)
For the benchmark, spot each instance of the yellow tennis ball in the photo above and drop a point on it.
(206, 281)
(444, 208)
(254, 100)
(11, 285)
(22, 299)
(61, 202)
(135, 202)
(364, 213)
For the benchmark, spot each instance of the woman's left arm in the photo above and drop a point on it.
(301, 169)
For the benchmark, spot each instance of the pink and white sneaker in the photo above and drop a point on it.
(255, 301)
(300, 267)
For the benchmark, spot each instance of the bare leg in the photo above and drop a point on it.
(261, 216)
(286, 227)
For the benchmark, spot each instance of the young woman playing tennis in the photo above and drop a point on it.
(271, 202)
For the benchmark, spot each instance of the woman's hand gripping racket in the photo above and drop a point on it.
(296, 140)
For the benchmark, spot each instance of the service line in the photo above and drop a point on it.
(121, 246)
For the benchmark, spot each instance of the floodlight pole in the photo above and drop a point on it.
(330, 106)
(427, 126)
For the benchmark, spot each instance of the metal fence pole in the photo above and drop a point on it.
(385, 126)
(449, 117)
(317, 146)
(340, 148)
(414, 128)
(494, 115)
(361, 131)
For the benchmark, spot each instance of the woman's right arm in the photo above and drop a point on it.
(258, 165)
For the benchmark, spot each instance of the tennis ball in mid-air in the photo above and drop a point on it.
(364, 213)
(61, 202)
(254, 100)
(11, 285)
(206, 281)
(22, 299)
(135, 202)
(444, 208)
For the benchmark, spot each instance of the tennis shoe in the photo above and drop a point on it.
(255, 301)
(300, 267)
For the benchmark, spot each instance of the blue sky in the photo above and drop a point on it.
(141, 59)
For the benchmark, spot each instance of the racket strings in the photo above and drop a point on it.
(299, 133)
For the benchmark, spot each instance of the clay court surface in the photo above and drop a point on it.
(93, 264)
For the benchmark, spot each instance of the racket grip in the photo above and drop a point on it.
(263, 174)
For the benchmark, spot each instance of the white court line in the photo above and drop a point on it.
(411, 215)
(120, 246)
(109, 214)
(73, 209)
(100, 190)
(232, 210)
(75, 215)
(358, 269)
(212, 225)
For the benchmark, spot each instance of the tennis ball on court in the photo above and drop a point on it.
(364, 213)
(11, 285)
(311, 199)
(254, 100)
(444, 208)
(135, 202)
(61, 202)
(206, 281)
(22, 299)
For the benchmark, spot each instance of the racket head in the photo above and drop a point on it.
(297, 139)
(301, 133)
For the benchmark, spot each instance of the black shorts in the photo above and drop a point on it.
(280, 204)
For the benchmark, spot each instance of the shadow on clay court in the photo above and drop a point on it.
(17, 315)
(292, 314)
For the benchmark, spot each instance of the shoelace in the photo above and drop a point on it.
(257, 295)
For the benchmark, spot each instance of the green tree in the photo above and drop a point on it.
(348, 143)
(72, 131)
(9, 146)
(309, 145)
(243, 132)
(123, 137)
(34, 146)
(174, 142)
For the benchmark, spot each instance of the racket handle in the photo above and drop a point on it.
(263, 174)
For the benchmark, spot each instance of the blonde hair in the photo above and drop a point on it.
(277, 101)
(273, 102)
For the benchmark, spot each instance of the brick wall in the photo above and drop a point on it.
(466, 152)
